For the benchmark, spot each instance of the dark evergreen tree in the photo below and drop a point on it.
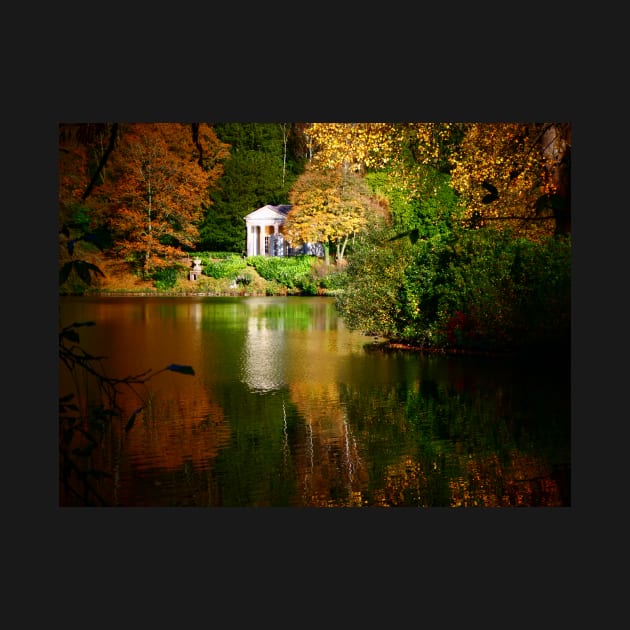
(256, 174)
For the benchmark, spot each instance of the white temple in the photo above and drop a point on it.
(265, 228)
(265, 234)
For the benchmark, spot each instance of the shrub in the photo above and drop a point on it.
(291, 271)
(165, 278)
(471, 289)
(228, 267)
(370, 300)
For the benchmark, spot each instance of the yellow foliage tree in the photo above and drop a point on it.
(329, 206)
(515, 174)
(354, 145)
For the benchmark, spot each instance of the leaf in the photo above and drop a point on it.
(94, 240)
(85, 269)
(70, 334)
(413, 235)
(182, 369)
(78, 324)
(132, 419)
(489, 187)
(493, 192)
(64, 272)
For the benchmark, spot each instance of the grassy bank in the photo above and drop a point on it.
(223, 274)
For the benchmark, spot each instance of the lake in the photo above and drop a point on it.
(289, 408)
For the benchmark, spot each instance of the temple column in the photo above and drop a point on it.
(251, 241)
(261, 240)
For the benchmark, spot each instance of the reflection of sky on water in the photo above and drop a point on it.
(263, 354)
(294, 341)
(195, 313)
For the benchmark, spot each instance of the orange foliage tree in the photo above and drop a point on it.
(84, 150)
(159, 180)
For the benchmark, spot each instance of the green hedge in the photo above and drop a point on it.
(291, 272)
(217, 266)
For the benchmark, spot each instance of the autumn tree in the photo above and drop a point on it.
(406, 164)
(160, 178)
(332, 201)
(329, 206)
(512, 174)
(84, 151)
(516, 175)
(356, 145)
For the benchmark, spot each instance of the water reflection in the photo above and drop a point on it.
(301, 362)
(288, 407)
(264, 352)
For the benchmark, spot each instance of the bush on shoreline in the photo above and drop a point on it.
(480, 291)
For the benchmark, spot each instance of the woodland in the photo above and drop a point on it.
(439, 236)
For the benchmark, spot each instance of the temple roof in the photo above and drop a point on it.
(269, 212)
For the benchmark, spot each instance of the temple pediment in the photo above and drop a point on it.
(269, 213)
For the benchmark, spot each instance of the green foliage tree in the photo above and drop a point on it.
(430, 206)
(474, 290)
(449, 285)
(374, 276)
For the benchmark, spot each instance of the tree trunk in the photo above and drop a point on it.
(285, 138)
(326, 252)
(341, 249)
(556, 149)
(101, 165)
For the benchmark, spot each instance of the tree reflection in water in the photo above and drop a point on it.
(288, 408)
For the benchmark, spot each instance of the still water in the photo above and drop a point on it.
(287, 407)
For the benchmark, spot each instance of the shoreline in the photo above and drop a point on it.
(382, 345)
